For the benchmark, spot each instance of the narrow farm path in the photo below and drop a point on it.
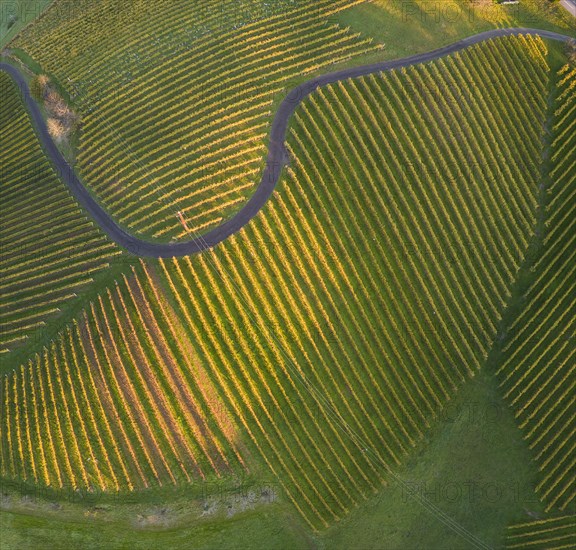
(276, 159)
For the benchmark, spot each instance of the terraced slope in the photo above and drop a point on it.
(538, 371)
(548, 534)
(176, 103)
(50, 251)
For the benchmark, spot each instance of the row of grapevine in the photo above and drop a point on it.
(174, 141)
(50, 251)
(116, 402)
(341, 320)
(557, 533)
(538, 370)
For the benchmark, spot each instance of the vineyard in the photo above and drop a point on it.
(180, 100)
(50, 251)
(549, 534)
(537, 373)
(116, 403)
(367, 326)
(324, 351)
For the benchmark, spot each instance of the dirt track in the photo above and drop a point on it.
(275, 161)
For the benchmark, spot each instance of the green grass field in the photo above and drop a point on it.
(474, 467)
(14, 16)
(408, 27)
(274, 529)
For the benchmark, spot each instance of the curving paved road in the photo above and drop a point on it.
(276, 160)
